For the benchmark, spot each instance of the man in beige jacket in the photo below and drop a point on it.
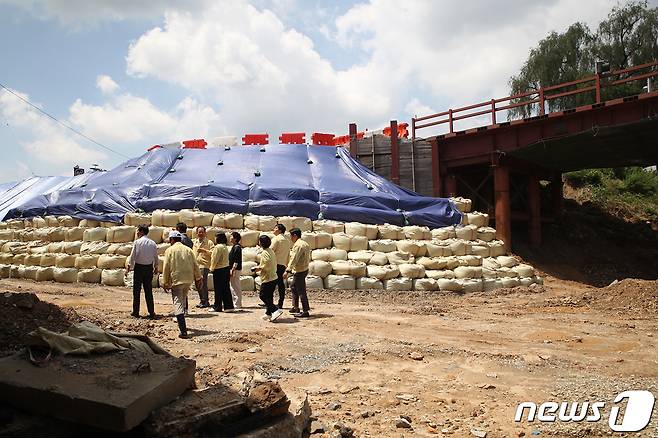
(300, 257)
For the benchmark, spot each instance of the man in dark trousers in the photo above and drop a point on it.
(144, 264)
(300, 257)
(281, 247)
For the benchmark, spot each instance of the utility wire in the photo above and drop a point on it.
(61, 123)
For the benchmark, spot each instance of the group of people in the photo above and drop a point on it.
(190, 261)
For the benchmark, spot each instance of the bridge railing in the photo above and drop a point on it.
(539, 97)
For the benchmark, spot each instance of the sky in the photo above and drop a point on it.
(133, 74)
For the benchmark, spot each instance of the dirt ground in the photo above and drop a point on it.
(451, 364)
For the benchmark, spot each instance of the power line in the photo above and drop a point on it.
(62, 123)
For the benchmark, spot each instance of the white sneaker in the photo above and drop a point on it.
(265, 318)
(174, 319)
(276, 314)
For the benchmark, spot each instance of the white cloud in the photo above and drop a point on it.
(106, 84)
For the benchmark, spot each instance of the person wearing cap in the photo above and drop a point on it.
(143, 261)
(300, 257)
(281, 247)
(179, 272)
(268, 278)
(202, 247)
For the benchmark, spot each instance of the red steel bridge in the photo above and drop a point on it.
(503, 164)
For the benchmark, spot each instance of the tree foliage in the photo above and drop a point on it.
(627, 37)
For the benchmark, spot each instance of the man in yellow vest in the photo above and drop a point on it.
(300, 257)
(281, 247)
(202, 247)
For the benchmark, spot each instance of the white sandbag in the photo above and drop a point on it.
(471, 285)
(56, 247)
(67, 221)
(15, 247)
(108, 224)
(491, 263)
(525, 281)
(524, 271)
(349, 267)
(123, 249)
(462, 204)
(426, 284)
(155, 233)
(358, 229)
(162, 247)
(246, 267)
(329, 255)
(439, 273)
(48, 260)
(195, 218)
(290, 222)
(467, 232)
(32, 260)
(29, 272)
(65, 260)
(415, 232)
(94, 247)
(486, 233)
(400, 257)
(260, 223)
(382, 245)
(111, 261)
(251, 254)
(319, 268)
(247, 283)
(369, 283)
(228, 221)
(40, 249)
(411, 270)
(452, 262)
(361, 256)
(41, 234)
(7, 234)
(481, 250)
(39, 222)
(74, 234)
(349, 242)
(56, 234)
(477, 219)
(507, 261)
(94, 234)
(436, 250)
(5, 271)
(399, 284)
(317, 239)
(340, 282)
(470, 260)
(17, 271)
(444, 233)
(432, 263)
(383, 272)
(503, 272)
(468, 272)
(113, 277)
(459, 247)
(328, 226)
(497, 248)
(65, 275)
(121, 234)
(510, 281)
(6, 258)
(416, 248)
(489, 284)
(44, 274)
(314, 282)
(51, 221)
(249, 238)
(447, 284)
(390, 232)
(378, 258)
(135, 219)
(19, 259)
(89, 223)
(489, 273)
(164, 218)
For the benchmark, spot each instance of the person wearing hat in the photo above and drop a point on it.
(179, 272)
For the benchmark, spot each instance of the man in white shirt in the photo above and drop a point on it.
(144, 263)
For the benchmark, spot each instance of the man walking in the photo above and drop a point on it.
(281, 248)
(185, 240)
(300, 257)
(202, 248)
(267, 271)
(143, 261)
(179, 272)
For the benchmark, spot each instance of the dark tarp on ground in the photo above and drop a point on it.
(284, 180)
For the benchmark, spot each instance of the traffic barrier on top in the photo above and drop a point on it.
(250, 139)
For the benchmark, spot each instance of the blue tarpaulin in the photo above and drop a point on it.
(278, 180)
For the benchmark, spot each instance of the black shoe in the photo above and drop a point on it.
(152, 316)
(302, 315)
(279, 305)
(135, 315)
(201, 306)
(183, 335)
(214, 309)
(294, 310)
(262, 305)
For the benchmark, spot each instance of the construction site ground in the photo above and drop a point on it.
(451, 364)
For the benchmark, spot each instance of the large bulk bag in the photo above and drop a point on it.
(497, 248)
(452, 262)
(349, 267)
(67, 221)
(481, 250)
(459, 247)
(5, 271)
(382, 245)
(467, 232)
(489, 273)
(462, 204)
(247, 283)
(436, 250)
(358, 229)
(121, 234)
(195, 218)
(94, 234)
(74, 234)
(113, 277)
(162, 247)
(124, 249)
(65, 275)
(260, 223)
(42, 234)
(444, 233)
(369, 283)
(32, 260)
(38, 249)
(340, 282)
(486, 233)
(314, 282)
(383, 272)
(399, 284)
(349, 243)
(400, 257)
(489, 284)
(470, 260)
(390, 232)
(164, 218)
(29, 272)
(477, 219)
(6, 258)
(135, 219)
(448, 284)
(471, 285)
(414, 232)
(246, 267)
(319, 268)
(7, 234)
(427, 284)
(95, 247)
(361, 256)
(19, 259)
(51, 221)
(55, 247)
(468, 272)
(317, 239)
(524, 271)
(251, 254)
(248, 238)
(507, 261)
(17, 271)
(510, 282)
(65, 260)
(412, 270)
(439, 273)
(228, 221)
(44, 274)
(39, 222)
(56, 234)
(107, 224)
(89, 223)
(415, 247)
(329, 255)
(111, 261)
(15, 247)
(503, 272)
(491, 263)
(155, 233)
(433, 263)
(290, 222)
(92, 275)
(48, 260)
(378, 258)
(18, 224)
(328, 226)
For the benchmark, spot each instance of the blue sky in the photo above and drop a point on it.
(132, 74)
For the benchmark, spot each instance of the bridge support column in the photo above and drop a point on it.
(450, 185)
(395, 153)
(502, 205)
(534, 205)
(353, 142)
(557, 194)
